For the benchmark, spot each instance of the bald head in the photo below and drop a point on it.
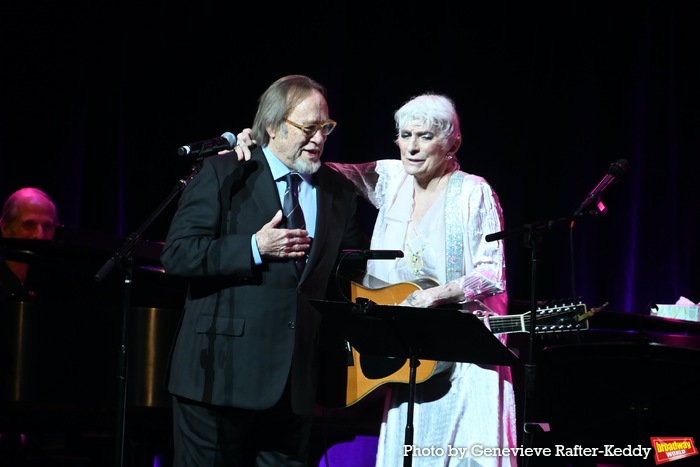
(29, 213)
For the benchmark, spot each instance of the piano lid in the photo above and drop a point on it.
(78, 247)
(617, 320)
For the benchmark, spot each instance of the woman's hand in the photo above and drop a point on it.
(244, 144)
(434, 296)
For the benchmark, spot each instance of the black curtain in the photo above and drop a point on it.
(96, 98)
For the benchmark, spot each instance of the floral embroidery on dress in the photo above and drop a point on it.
(414, 259)
(415, 251)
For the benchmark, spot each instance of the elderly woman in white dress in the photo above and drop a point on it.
(439, 217)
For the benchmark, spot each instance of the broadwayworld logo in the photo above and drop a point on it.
(672, 449)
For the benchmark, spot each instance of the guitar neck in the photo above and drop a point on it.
(506, 324)
(548, 320)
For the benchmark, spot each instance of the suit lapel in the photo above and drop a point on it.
(262, 187)
(324, 199)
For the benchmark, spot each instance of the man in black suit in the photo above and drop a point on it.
(243, 368)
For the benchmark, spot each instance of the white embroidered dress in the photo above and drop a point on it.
(478, 406)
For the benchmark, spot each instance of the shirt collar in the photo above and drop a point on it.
(278, 169)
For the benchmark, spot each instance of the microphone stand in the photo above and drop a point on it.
(123, 257)
(532, 239)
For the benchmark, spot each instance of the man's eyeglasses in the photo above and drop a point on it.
(310, 130)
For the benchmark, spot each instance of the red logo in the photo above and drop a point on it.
(672, 449)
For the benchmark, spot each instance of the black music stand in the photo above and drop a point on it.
(441, 334)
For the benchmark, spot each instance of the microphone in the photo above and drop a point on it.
(375, 254)
(615, 171)
(209, 146)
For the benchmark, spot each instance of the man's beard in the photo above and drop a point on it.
(306, 167)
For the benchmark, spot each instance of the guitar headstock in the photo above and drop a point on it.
(562, 318)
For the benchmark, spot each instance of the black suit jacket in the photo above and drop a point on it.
(246, 327)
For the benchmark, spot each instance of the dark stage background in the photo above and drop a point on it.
(96, 99)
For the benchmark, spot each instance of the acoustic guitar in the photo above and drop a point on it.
(366, 373)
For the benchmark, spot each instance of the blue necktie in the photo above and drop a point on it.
(292, 210)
